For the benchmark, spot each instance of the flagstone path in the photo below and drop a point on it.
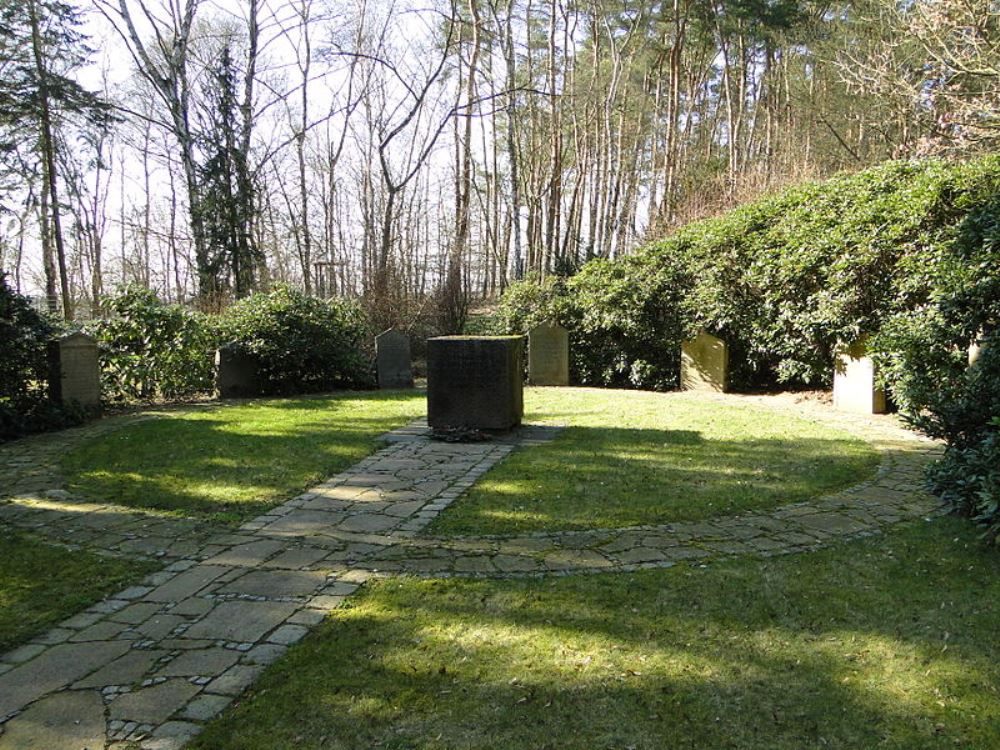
(149, 666)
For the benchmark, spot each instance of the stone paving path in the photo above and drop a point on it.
(147, 667)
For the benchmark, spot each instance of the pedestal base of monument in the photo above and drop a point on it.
(475, 382)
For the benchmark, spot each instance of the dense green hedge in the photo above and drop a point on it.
(302, 343)
(783, 279)
(907, 251)
(150, 350)
(24, 371)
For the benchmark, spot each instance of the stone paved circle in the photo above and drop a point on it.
(150, 665)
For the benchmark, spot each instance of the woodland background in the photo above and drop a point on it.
(423, 156)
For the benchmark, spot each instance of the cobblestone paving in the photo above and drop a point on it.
(147, 667)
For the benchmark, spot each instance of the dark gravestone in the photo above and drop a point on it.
(548, 355)
(237, 374)
(74, 370)
(392, 360)
(475, 382)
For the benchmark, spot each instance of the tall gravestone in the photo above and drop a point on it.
(705, 364)
(854, 386)
(392, 360)
(75, 371)
(548, 355)
(475, 382)
(237, 373)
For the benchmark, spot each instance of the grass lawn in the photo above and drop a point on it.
(41, 584)
(886, 642)
(630, 458)
(231, 462)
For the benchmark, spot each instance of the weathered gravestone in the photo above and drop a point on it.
(705, 364)
(548, 355)
(976, 349)
(237, 373)
(392, 360)
(854, 386)
(475, 382)
(74, 370)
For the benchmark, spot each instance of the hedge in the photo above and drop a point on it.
(907, 251)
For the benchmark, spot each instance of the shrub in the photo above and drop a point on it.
(785, 279)
(149, 349)
(24, 403)
(625, 319)
(968, 479)
(302, 344)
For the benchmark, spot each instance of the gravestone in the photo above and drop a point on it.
(705, 364)
(237, 374)
(548, 355)
(392, 360)
(74, 370)
(475, 382)
(976, 349)
(854, 386)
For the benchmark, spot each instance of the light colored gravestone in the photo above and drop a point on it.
(237, 374)
(475, 382)
(976, 349)
(392, 360)
(548, 355)
(75, 370)
(705, 364)
(854, 386)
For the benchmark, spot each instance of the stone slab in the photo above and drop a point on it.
(242, 621)
(154, 704)
(276, 583)
(209, 662)
(56, 668)
(705, 364)
(63, 721)
(548, 355)
(185, 584)
(392, 360)
(125, 670)
(237, 373)
(75, 372)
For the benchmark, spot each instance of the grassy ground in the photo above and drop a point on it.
(230, 462)
(887, 643)
(629, 458)
(41, 584)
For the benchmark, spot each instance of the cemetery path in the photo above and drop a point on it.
(148, 666)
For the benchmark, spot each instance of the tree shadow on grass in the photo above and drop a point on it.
(225, 470)
(752, 654)
(612, 477)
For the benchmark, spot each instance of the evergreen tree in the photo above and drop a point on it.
(41, 47)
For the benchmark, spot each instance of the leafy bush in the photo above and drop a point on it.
(969, 480)
(625, 319)
(149, 349)
(302, 344)
(24, 371)
(785, 279)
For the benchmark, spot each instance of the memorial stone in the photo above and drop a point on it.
(976, 349)
(854, 386)
(392, 360)
(237, 374)
(548, 355)
(475, 382)
(705, 364)
(75, 372)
